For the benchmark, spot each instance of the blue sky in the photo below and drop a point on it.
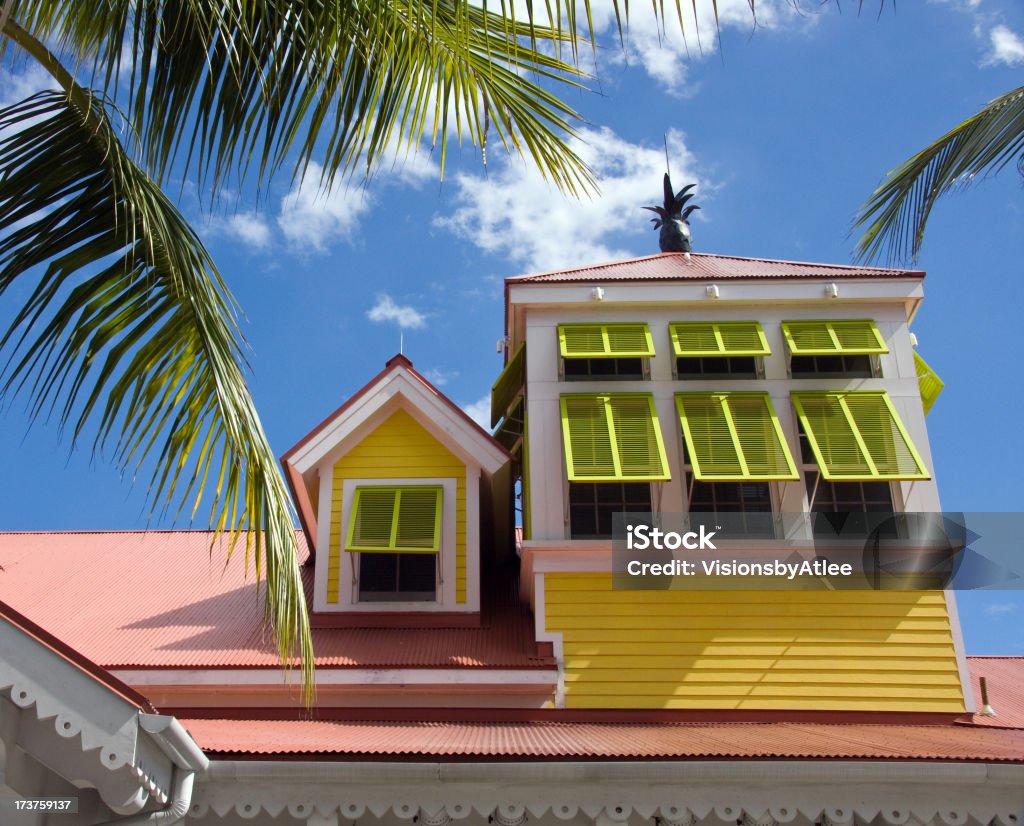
(786, 128)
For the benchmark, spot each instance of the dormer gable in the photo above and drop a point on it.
(392, 490)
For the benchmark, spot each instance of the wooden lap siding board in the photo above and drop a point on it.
(399, 448)
(813, 650)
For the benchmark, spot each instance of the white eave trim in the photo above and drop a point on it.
(353, 677)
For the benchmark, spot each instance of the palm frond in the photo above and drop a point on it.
(129, 327)
(270, 82)
(894, 217)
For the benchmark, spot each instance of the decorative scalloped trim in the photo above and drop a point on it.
(669, 814)
(72, 728)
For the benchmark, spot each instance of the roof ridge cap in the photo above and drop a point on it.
(592, 266)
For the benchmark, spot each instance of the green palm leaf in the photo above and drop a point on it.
(217, 86)
(894, 217)
(128, 323)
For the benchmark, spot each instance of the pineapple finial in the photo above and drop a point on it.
(675, 230)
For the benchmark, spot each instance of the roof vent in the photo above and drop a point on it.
(675, 230)
(986, 706)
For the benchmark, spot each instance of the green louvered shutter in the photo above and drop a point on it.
(734, 437)
(613, 437)
(395, 519)
(693, 339)
(589, 341)
(928, 381)
(833, 338)
(857, 436)
(508, 384)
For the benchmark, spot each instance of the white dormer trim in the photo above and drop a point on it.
(400, 389)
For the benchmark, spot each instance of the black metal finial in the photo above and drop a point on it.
(671, 220)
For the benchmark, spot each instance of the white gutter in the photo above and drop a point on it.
(172, 739)
(652, 770)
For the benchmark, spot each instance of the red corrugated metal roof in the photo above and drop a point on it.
(674, 266)
(607, 741)
(75, 658)
(161, 599)
(1005, 678)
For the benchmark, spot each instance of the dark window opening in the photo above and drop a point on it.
(397, 577)
(626, 369)
(832, 367)
(849, 508)
(591, 505)
(731, 367)
(742, 509)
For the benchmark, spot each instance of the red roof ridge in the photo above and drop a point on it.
(709, 255)
(593, 266)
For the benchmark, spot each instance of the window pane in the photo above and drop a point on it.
(857, 366)
(733, 367)
(417, 572)
(378, 573)
(592, 505)
(609, 369)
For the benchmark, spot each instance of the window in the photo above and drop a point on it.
(848, 509)
(397, 577)
(722, 367)
(834, 349)
(742, 509)
(856, 436)
(725, 349)
(396, 532)
(603, 368)
(734, 437)
(592, 504)
(605, 351)
(613, 437)
(734, 447)
(509, 385)
(928, 381)
(832, 367)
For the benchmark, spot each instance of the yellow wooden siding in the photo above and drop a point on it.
(399, 448)
(813, 650)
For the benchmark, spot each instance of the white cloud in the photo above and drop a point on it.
(16, 86)
(313, 216)
(480, 412)
(517, 214)
(405, 317)
(248, 227)
(1000, 609)
(439, 378)
(663, 49)
(1006, 47)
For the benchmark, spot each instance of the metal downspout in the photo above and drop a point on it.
(187, 758)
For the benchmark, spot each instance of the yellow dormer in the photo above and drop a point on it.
(389, 488)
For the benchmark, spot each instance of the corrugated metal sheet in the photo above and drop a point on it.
(608, 741)
(1005, 678)
(674, 266)
(46, 640)
(165, 599)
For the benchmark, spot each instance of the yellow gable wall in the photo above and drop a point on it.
(812, 650)
(399, 448)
